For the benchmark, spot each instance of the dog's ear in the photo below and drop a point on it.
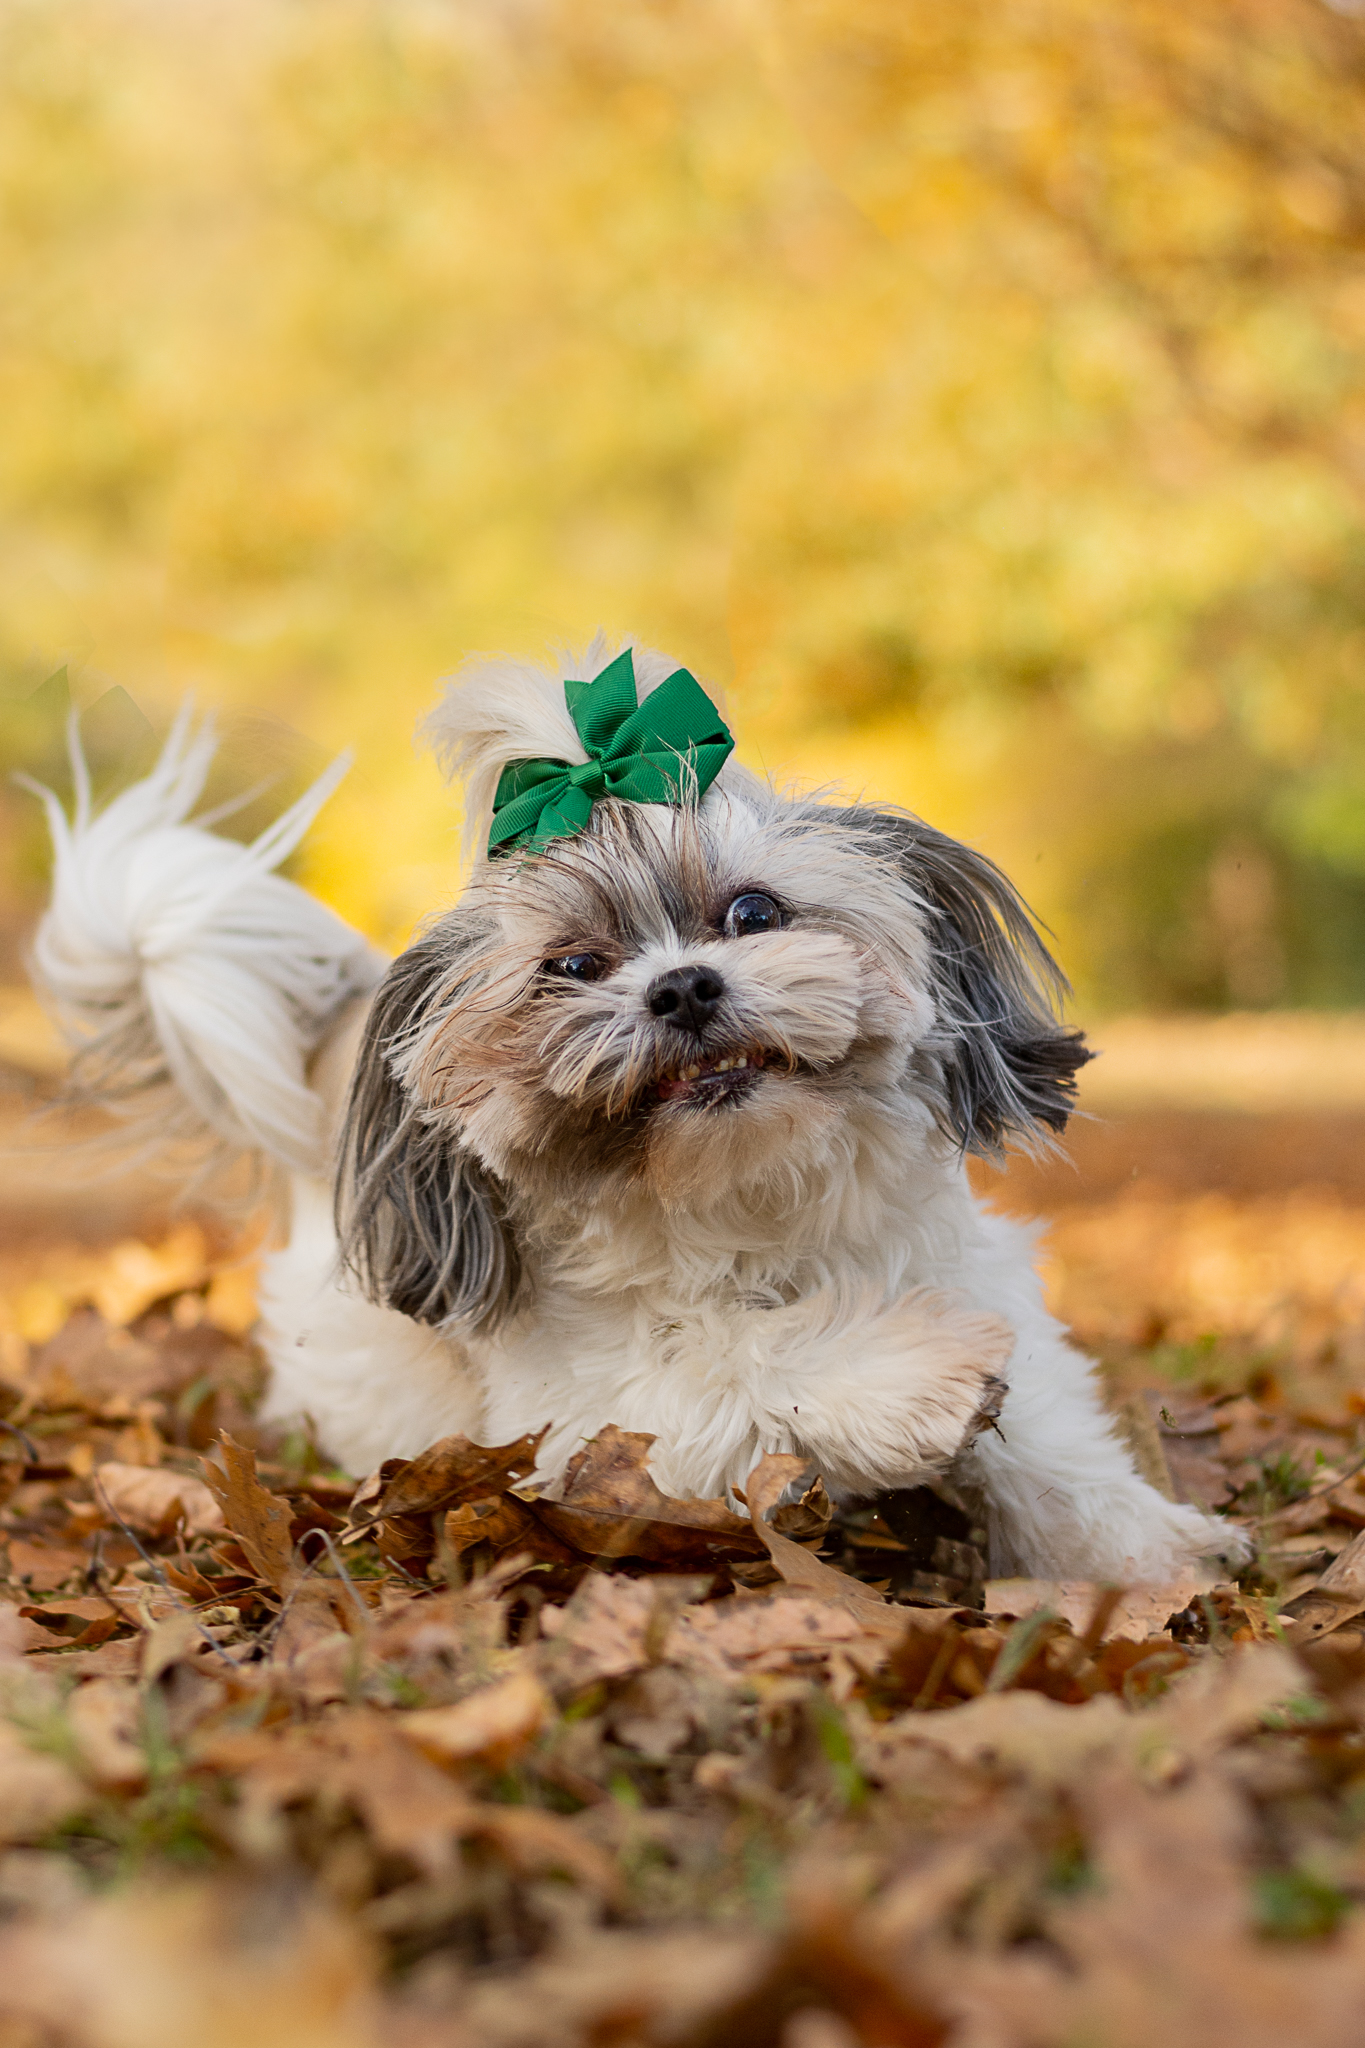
(1008, 1066)
(422, 1225)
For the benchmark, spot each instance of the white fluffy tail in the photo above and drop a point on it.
(191, 983)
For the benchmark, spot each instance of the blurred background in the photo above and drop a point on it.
(974, 395)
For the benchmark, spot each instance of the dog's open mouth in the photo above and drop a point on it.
(717, 1080)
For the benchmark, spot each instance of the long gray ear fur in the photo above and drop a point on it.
(1008, 1068)
(422, 1225)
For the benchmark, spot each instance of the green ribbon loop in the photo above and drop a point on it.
(668, 750)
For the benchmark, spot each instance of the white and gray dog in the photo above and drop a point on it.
(665, 1124)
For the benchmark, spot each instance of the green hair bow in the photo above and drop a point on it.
(664, 751)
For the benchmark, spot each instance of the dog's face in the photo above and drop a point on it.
(684, 1006)
(669, 1004)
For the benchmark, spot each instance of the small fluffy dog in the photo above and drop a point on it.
(665, 1124)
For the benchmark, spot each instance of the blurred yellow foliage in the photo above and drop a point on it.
(40, 1288)
(975, 390)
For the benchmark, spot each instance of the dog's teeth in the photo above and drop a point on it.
(723, 1066)
(742, 1061)
(691, 1073)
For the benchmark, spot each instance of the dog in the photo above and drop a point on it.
(665, 1124)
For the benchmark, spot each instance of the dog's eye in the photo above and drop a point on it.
(751, 914)
(578, 966)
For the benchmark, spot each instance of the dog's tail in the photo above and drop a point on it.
(192, 983)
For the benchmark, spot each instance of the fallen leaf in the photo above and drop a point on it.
(611, 1474)
(1022, 1733)
(90, 1362)
(121, 1659)
(170, 1641)
(783, 1634)
(536, 1841)
(670, 1541)
(152, 1499)
(1160, 1948)
(764, 1487)
(451, 1471)
(83, 1621)
(258, 1518)
(157, 1967)
(44, 1566)
(504, 1523)
(611, 1627)
(493, 1724)
(1344, 1578)
(410, 1807)
(1133, 1614)
(37, 1792)
(612, 1986)
(103, 1716)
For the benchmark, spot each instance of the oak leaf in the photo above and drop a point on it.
(152, 1499)
(257, 1518)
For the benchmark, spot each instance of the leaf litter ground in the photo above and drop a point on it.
(431, 1762)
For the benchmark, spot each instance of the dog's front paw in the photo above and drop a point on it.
(954, 1384)
(929, 1381)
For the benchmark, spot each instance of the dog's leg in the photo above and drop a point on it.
(1065, 1498)
(373, 1383)
(880, 1395)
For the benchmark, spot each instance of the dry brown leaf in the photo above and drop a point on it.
(44, 1566)
(503, 1522)
(671, 1541)
(1344, 1578)
(1338, 1497)
(1224, 1699)
(450, 1471)
(535, 1841)
(37, 1792)
(610, 1508)
(88, 1363)
(611, 1627)
(171, 1640)
(611, 1474)
(120, 1659)
(1161, 1949)
(160, 1967)
(1338, 1597)
(790, 1633)
(493, 1724)
(1136, 1613)
(103, 1717)
(1017, 1733)
(805, 1573)
(41, 1565)
(152, 1499)
(613, 1986)
(410, 1807)
(84, 1621)
(258, 1518)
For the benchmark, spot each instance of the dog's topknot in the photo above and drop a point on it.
(498, 708)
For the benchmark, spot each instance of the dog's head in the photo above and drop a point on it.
(679, 1004)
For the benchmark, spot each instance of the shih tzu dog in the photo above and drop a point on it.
(665, 1124)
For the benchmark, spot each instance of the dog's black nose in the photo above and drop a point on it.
(687, 997)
